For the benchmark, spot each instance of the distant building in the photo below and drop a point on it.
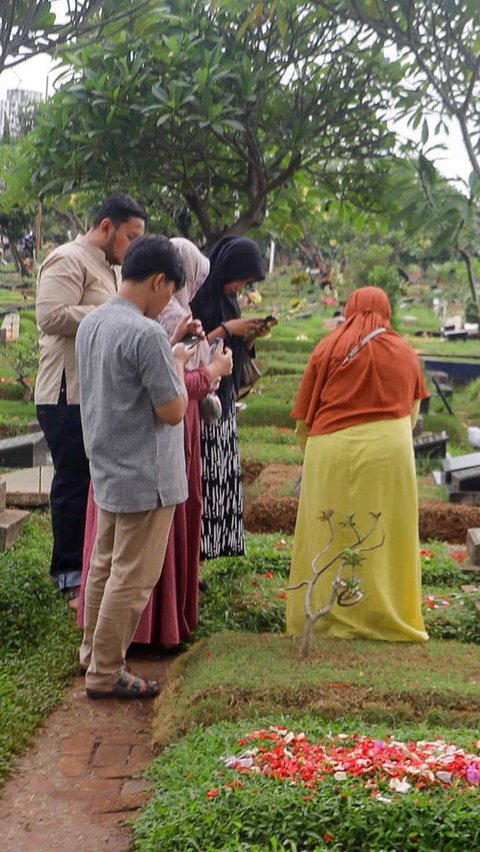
(11, 108)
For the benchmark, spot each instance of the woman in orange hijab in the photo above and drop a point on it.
(357, 403)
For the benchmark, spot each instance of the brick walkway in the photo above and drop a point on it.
(81, 779)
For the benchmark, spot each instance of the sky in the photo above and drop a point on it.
(38, 74)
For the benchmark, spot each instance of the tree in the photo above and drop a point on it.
(16, 208)
(6, 132)
(342, 592)
(28, 28)
(207, 120)
(437, 48)
(428, 207)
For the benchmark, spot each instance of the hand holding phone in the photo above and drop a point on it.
(265, 325)
(191, 340)
(270, 320)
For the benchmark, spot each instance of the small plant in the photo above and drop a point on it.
(300, 280)
(22, 358)
(471, 311)
(344, 592)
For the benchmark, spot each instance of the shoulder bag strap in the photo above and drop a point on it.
(366, 339)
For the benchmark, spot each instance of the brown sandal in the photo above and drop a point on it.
(128, 686)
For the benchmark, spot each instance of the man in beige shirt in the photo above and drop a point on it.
(73, 280)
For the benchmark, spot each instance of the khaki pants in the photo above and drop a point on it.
(126, 564)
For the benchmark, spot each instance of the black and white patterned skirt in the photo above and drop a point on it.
(222, 518)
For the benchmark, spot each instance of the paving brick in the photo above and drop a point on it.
(120, 771)
(71, 766)
(81, 747)
(128, 739)
(136, 785)
(123, 804)
(90, 789)
(140, 757)
(111, 755)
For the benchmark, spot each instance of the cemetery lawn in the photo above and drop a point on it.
(226, 693)
(233, 676)
(38, 639)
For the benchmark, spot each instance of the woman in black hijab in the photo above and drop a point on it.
(234, 263)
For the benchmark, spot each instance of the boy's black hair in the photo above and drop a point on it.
(119, 208)
(151, 255)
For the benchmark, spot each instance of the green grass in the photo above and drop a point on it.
(15, 415)
(200, 804)
(444, 348)
(14, 297)
(247, 593)
(267, 444)
(38, 640)
(231, 675)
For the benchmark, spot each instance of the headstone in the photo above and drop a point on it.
(11, 324)
(473, 545)
(29, 487)
(447, 390)
(452, 464)
(439, 375)
(11, 522)
(433, 444)
(466, 498)
(466, 480)
(454, 323)
(455, 335)
(28, 450)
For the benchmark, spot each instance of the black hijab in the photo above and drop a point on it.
(231, 259)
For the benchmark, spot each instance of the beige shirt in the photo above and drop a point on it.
(73, 280)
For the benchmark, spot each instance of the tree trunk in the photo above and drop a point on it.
(19, 264)
(471, 274)
(38, 231)
(28, 390)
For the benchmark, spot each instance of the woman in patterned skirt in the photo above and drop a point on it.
(234, 263)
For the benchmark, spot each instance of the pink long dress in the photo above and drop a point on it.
(171, 614)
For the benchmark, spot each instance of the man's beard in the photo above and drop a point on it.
(110, 252)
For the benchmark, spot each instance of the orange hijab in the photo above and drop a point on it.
(381, 382)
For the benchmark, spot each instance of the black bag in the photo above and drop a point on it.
(250, 375)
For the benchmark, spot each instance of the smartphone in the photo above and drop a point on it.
(191, 340)
(216, 343)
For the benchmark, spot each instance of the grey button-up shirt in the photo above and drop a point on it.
(126, 369)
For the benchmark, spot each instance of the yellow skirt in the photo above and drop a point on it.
(362, 469)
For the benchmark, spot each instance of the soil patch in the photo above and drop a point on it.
(273, 511)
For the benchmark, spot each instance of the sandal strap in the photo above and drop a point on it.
(135, 683)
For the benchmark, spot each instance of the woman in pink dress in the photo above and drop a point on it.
(171, 614)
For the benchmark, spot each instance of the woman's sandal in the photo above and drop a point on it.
(128, 686)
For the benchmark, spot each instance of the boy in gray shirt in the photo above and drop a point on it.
(132, 402)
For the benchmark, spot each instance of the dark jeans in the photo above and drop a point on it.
(62, 428)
